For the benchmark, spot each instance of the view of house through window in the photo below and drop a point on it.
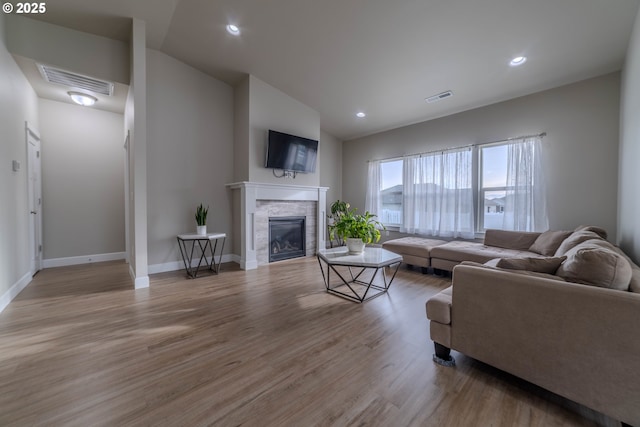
(391, 192)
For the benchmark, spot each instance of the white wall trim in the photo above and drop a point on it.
(138, 282)
(84, 259)
(14, 290)
(141, 282)
(179, 265)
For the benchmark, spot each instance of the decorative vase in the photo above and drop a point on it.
(355, 245)
(201, 230)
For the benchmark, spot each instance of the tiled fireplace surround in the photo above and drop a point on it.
(259, 201)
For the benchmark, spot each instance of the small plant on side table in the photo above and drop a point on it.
(201, 219)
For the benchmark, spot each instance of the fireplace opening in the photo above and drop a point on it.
(286, 238)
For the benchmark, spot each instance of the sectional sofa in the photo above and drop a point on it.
(562, 313)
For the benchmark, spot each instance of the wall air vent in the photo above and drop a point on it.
(440, 96)
(75, 81)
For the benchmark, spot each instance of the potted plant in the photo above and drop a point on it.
(201, 219)
(356, 229)
(338, 208)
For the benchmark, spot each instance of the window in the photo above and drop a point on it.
(433, 193)
(492, 186)
(391, 193)
(511, 188)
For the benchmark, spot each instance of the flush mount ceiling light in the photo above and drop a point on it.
(82, 98)
(361, 114)
(518, 60)
(233, 29)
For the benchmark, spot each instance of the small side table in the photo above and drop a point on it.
(210, 241)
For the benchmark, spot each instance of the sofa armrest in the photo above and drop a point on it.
(578, 341)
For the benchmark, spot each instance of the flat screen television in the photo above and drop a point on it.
(291, 153)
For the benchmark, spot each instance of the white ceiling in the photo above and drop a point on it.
(382, 57)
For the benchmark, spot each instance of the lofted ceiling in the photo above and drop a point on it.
(380, 57)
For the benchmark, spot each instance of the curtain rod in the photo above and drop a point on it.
(541, 135)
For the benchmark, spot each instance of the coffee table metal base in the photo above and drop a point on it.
(348, 285)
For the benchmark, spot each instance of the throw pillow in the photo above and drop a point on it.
(518, 240)
(537, 265)
(548, 242)
(598, 230)
(574, 240)
(595, 263)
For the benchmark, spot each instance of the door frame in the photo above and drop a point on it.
(34, 202)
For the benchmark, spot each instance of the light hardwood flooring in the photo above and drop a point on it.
(267, 347)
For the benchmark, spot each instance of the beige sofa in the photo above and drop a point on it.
(579, 340)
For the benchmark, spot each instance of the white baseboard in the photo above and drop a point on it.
(138, 282)
(84, 259)
(179, 265)
(141, 282)
(14, 290)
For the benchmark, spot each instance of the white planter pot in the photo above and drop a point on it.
(355, 245)
(201, 230)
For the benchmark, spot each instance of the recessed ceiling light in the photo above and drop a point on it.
(233, 29)
(361, 114)
(518, 60)
(82, 98)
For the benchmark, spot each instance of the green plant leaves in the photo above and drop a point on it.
(348, 223)
(201, 215)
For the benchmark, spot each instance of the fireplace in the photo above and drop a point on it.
(286, 237)
(256, 202)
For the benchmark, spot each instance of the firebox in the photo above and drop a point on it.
(286, 237)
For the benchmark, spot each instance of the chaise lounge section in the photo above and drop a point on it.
(415, 251)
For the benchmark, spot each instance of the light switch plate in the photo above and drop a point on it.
(16, 166)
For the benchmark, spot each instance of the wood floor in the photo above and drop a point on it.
(268, 347)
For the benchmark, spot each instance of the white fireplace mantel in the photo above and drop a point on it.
(250, 192)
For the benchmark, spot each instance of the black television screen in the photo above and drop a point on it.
(291, 153)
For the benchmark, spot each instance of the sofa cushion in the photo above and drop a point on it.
(518, 240)
(439, 306)
(634, 284)
(548, 242)
(596, 263)
(416, 246)
(539, 265)
(492, 265)
(574, 240)
(473, 251)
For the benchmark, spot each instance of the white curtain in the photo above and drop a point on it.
(437, 194)
(374, 185)
(525, 203)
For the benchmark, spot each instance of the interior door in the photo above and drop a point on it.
(34, 173)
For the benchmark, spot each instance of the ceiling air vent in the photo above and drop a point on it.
(440, 96)
(76, 81)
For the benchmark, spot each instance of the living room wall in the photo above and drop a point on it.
(270, 108)
(82, 181)
(629, 191)
(18, 103)
(189, 155)
(580, 150)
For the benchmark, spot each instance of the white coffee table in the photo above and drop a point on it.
(375, 259)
